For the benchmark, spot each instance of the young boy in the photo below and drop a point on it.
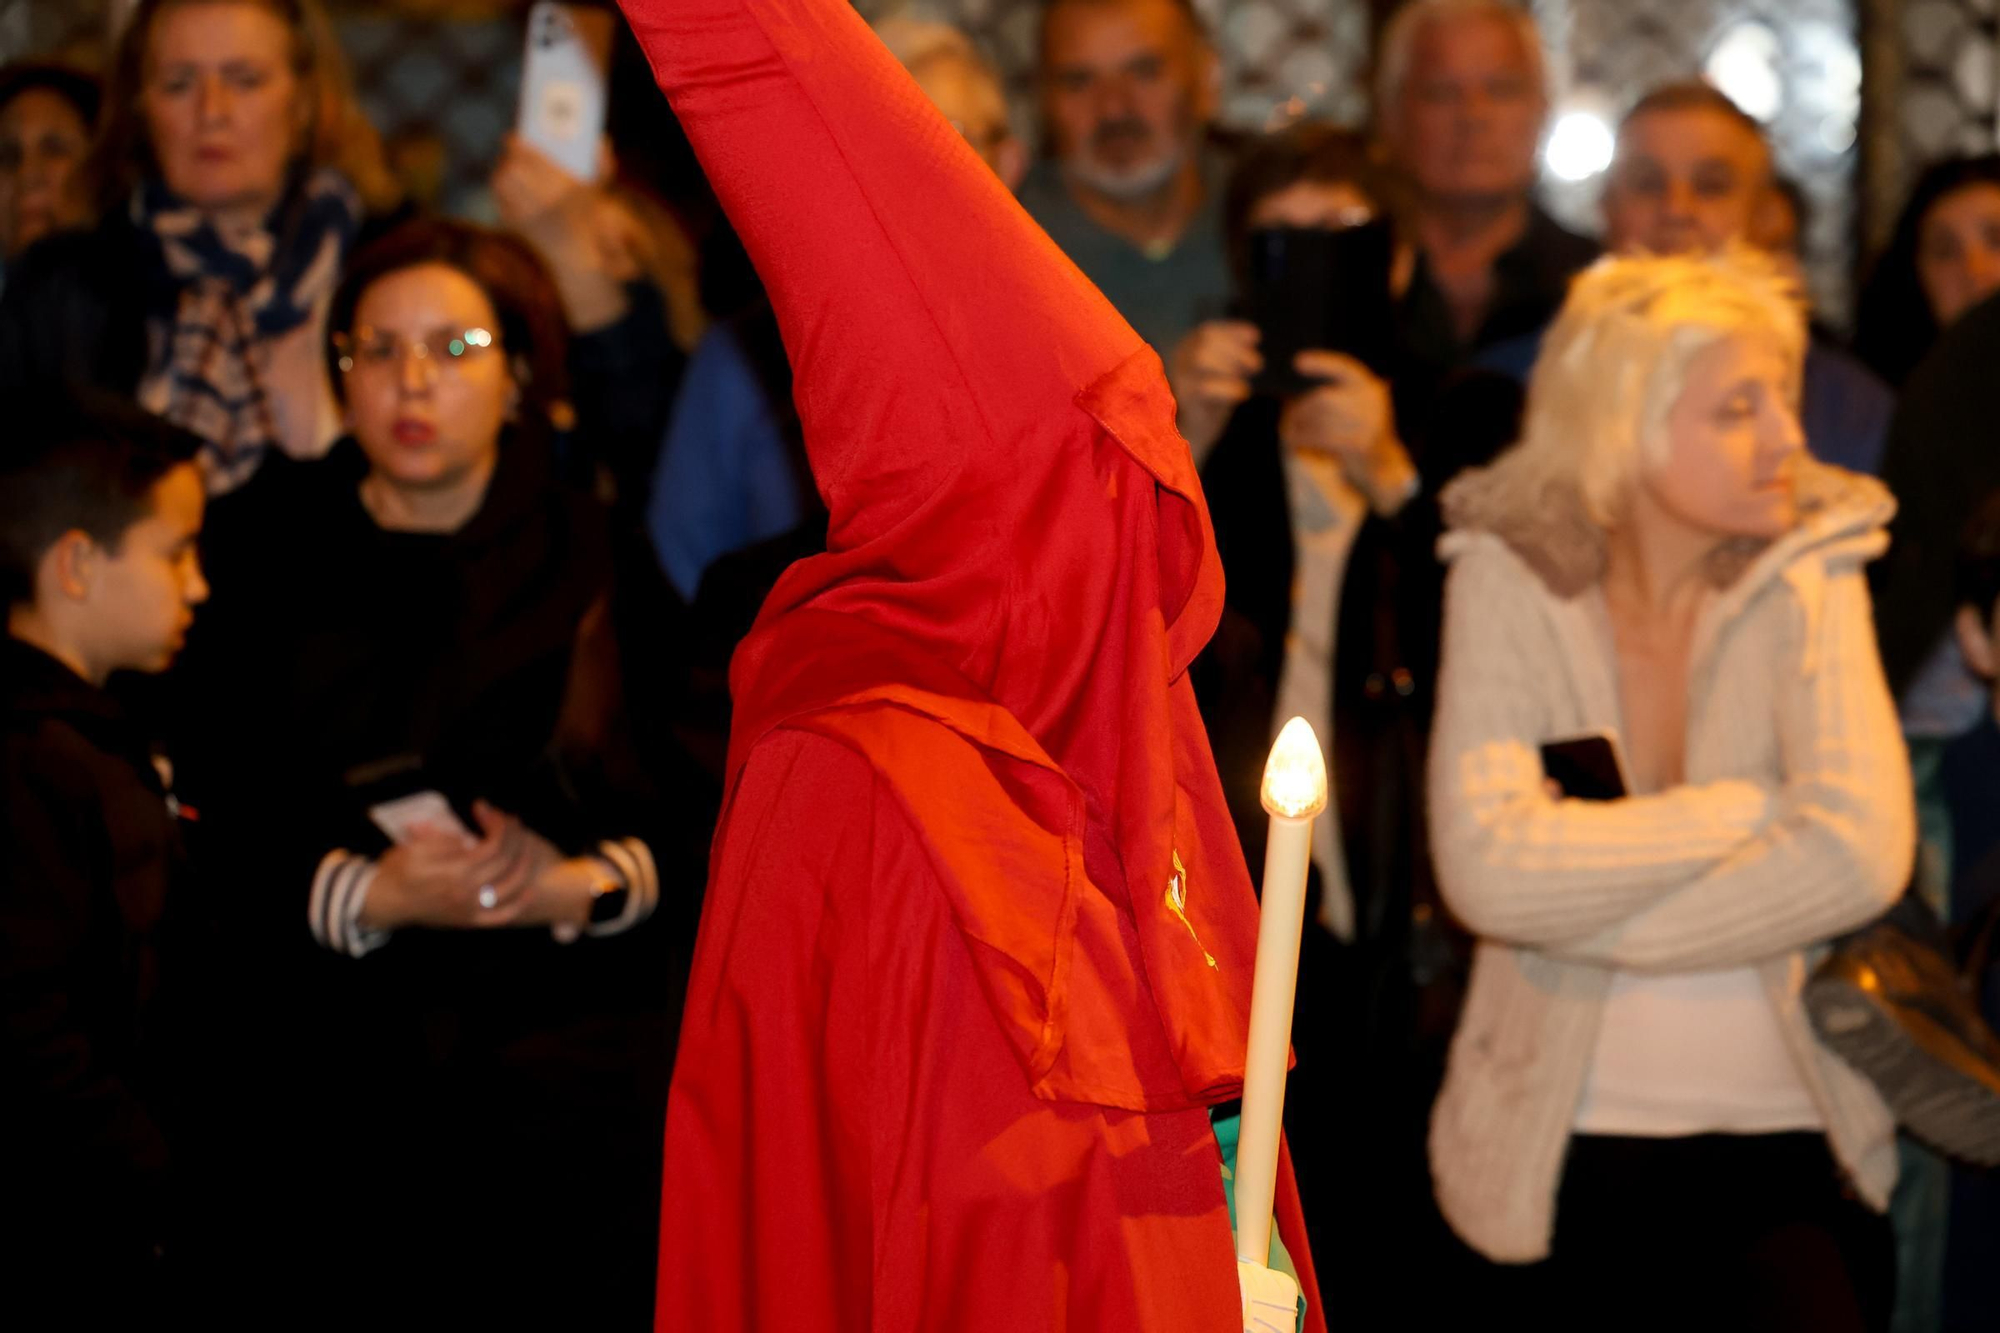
(100, 506)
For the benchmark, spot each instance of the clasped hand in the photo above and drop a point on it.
(507, 875)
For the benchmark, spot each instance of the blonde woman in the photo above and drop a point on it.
(1634, 1094)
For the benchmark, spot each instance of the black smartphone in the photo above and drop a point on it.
(1587, 768)
(1319, 289)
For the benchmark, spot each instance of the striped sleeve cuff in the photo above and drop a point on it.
(339, 889)
(633, 861)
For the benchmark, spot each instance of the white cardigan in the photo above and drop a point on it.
(1795, 824)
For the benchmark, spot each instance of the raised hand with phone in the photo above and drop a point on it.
(593, 244)
(1334, 408)
(550, 180)
(1350, 419)
(1314, 265)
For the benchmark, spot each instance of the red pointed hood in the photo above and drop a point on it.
(1015, 523)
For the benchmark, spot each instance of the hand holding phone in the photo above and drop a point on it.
(476, 882)
(400, 819)
(1318, 289)
(1210, 371)
(565, 83)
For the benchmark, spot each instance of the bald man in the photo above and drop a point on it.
(1693, 171)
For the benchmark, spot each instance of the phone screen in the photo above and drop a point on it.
(1587, 768)
(1319, 289)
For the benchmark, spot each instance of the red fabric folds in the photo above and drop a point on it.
(1020, 569)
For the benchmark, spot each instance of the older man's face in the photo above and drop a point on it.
(1468, 118)
(1691, 179)
(1125, 92)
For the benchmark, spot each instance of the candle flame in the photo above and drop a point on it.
(1295, 774)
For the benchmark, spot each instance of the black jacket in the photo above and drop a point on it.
(75, 312)
(453, 1085)
(1941, 465)
(91, 856)
(1530, 280)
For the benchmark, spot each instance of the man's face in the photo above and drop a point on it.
(1686, 180)
(1468, 117)
(1126, 89)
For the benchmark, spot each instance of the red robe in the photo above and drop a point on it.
(977, 948)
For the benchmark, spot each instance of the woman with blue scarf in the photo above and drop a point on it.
(233, 173)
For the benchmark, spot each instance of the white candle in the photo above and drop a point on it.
(1294, 793)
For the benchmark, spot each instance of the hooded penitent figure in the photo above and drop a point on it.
(976, 954)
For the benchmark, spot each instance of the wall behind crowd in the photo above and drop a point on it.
(1933, 89)
(439, 79)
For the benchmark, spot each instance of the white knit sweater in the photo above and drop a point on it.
(1796, 823)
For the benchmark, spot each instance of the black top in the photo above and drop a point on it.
(1530, 280)
(91, 851)
(407, 1108)
(75, 311)
(1970, 776)
(1940, 464)
(338, 664)
(623, 378)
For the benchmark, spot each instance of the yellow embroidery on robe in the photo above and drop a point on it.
(1176, 901)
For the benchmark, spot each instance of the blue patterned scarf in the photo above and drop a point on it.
(223, 299)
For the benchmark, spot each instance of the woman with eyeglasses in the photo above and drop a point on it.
(438, 853)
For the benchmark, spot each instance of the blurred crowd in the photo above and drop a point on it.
(483, 512)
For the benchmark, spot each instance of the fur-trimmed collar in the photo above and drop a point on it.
(1566, 549)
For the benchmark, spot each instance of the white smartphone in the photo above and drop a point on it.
(399, 819)
(565, 80)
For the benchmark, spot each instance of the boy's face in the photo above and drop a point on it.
(144, 589)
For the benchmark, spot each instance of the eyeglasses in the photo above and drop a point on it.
(445, 349)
